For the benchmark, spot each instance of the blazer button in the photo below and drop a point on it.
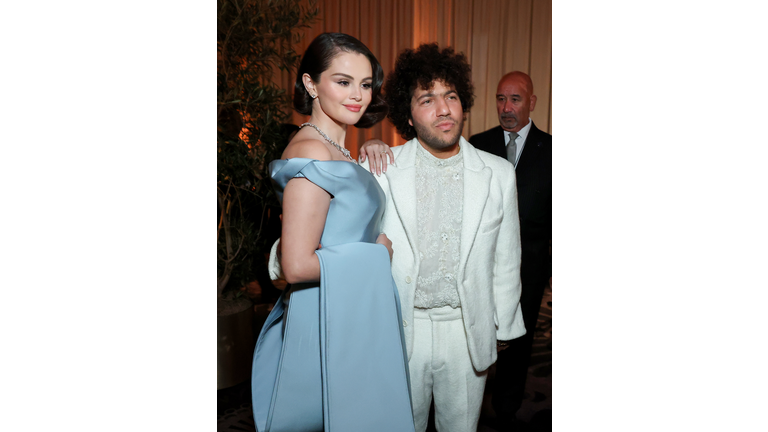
(405, 323)
(407, 279)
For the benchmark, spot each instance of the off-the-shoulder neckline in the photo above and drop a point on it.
(318, 160)
(323, 162)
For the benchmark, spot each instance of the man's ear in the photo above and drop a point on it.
(410, 122)
(533, 102)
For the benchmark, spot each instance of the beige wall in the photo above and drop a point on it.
(498, 36)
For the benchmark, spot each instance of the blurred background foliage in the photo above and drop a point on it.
(255, 40)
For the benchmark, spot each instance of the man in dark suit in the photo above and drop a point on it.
(518, 140)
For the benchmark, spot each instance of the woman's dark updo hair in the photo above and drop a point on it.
(317, 59)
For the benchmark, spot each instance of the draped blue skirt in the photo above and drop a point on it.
(335, 360)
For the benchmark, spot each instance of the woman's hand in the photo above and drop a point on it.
(376, 152)
(382, 239)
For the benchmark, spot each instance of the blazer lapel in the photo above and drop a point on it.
(402, 185)
(531, 149)
(499, 142)
(477, 184)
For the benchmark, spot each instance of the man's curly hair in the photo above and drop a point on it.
(419, 68)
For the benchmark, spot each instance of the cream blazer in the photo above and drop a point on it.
(489, 266)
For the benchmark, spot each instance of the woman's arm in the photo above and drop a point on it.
(305, 208)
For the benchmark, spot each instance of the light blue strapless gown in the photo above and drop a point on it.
(335, 360)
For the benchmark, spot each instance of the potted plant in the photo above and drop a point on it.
(254, 40)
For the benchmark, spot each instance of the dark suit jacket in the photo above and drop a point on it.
(534, 198)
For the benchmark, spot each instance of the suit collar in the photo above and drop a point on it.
(525, 131)
(477, 185)
(533, 150)
(471, 158)
(407, 155)
(406, 159)
(402, 185)
(499, 132)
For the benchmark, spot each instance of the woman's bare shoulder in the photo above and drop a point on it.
(307, 148)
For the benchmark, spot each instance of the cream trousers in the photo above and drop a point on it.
(440, 365)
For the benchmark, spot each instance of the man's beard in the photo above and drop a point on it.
(509, 121)
(426, 135)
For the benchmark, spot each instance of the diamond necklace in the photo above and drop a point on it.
(343, 151)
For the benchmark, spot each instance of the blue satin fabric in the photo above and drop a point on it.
(335, 360)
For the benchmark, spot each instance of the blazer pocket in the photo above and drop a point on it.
(490, 225)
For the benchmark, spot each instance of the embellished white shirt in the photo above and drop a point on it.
(439, 197)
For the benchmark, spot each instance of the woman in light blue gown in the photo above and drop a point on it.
(331, 355)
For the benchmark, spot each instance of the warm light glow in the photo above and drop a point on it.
(244, 131)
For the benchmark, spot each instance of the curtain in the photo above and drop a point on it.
(497, 36)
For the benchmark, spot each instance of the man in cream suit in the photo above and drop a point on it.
(451, 215)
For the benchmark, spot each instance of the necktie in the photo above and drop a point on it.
(512, 148)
